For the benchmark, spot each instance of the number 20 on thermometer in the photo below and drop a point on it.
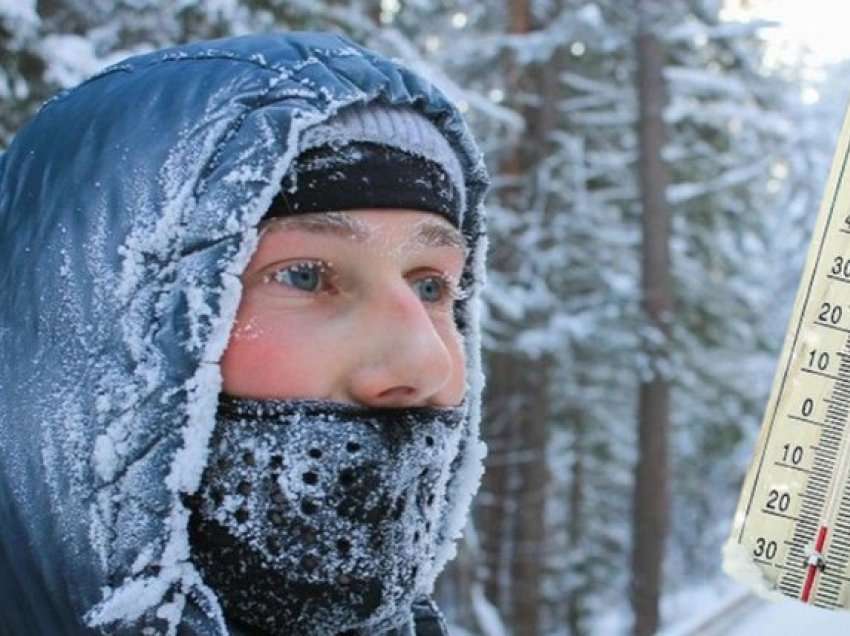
(791, 532)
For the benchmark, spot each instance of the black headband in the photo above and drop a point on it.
(365, 175)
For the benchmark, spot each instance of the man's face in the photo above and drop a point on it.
(353, 307)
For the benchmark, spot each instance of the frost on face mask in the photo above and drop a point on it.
(317, 517)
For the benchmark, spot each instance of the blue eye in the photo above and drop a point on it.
(432, 289)
(303, 276)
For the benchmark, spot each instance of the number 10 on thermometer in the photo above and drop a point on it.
(791, 532)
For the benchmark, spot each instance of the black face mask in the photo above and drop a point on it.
(315, 517)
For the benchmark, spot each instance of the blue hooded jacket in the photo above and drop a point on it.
(128, 210)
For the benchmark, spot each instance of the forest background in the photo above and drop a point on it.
(656, 176)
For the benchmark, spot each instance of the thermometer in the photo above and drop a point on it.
(791, 531)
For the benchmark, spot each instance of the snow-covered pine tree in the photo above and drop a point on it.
(732, 135)
(584, 279)
(729, 127)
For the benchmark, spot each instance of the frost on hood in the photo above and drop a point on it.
(210, 313)
(149, 232)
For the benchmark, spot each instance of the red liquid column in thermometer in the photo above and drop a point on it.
(815, 564)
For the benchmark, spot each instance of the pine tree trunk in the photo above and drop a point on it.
(531, 494)
(650, 489)
(494, 501)
(529, 473)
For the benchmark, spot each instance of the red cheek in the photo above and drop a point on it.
(263, 361)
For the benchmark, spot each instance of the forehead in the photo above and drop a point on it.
(412, 228)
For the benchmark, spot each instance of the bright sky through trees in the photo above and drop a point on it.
(821, 26)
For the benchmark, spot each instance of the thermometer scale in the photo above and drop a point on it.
(792, 524)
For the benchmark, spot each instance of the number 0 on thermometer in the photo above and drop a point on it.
(791, 531)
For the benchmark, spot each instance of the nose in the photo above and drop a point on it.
(399, 358)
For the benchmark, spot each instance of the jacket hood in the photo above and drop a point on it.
(128, 210)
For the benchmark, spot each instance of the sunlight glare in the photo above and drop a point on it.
(816, 27)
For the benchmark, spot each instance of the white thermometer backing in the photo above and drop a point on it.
(793, 519)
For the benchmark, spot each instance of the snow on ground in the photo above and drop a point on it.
(725, 608)
(740, 613)
(681, 611)
(791, 617)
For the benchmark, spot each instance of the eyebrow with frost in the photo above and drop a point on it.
(427, 234)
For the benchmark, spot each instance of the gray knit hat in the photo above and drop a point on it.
(374, 156)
